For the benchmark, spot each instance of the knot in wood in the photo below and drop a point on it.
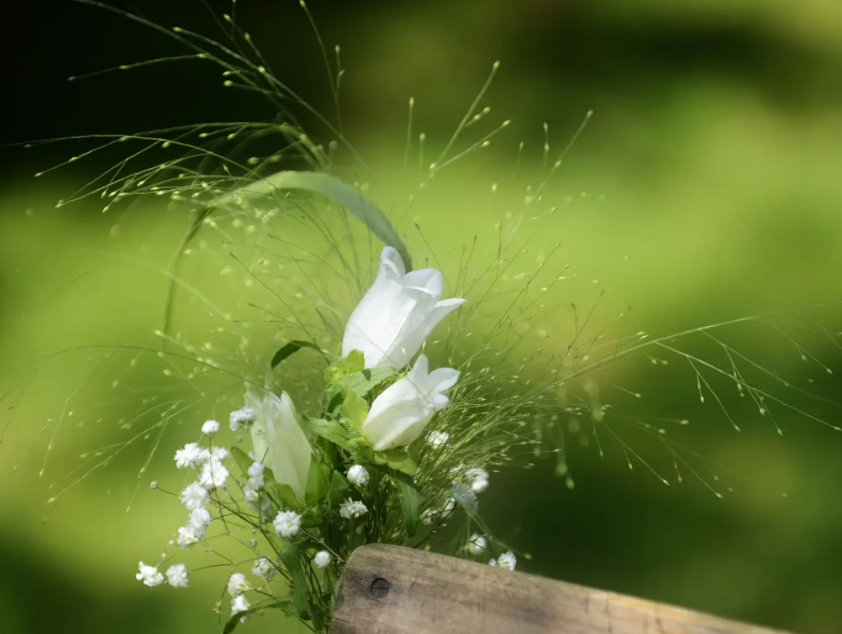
(380, 588)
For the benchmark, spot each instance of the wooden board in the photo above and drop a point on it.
(394, 590)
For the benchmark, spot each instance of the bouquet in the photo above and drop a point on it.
(340, 385)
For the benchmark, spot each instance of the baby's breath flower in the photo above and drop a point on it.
(352, 509)
(477, 544)
(217, 454)
(188, 535)
(242, 418)
(322, 559)
(358, 476)
(237, 584)
(430, 516)
(263, 568)
(149, 575)
(437, 438)
(239, 604)
(210, 428)
(189, 456)
(194, 496)
(506, 561)
(287, 524)
(250, 494)
(213, 475)
(478, 478)
(256, 475)
(200, 519)
(177, 576)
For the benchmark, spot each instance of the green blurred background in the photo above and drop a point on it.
(708, 185)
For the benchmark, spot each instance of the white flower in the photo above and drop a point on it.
(430, 516)
(188, 535)
(263, 568)
(242, 418)
(449, 506)
(478, 478)
(437, 438)
(256, 475)
(210, 428)
(239, 604)
(218, 453)
(397, 313)
(279, 441)
(194, 496)
(477, 544)
(506, 561)
(200, 519)
(322, 559)
(250, 494)
(149, 575)
(213, 475)
(358, 476)
(177, 576)
(287, 524)
(237, 584)
(352, 509)
(189, 456)
(398, 416)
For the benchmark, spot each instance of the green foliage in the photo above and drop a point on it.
(291, 348)
(332, 187)
(291, 558)
(396, 459)
(410, 501)
(330, 429)
(355, 410)
(338, 490)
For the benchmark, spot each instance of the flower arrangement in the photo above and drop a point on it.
(366, 401)
(365, 468)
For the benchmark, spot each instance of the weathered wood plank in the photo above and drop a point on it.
(394, 590)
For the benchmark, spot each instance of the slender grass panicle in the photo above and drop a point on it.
(342, 379)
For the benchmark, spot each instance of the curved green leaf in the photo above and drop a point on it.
(290, 348)
(334, 188)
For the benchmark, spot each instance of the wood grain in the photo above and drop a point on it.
(394, 590)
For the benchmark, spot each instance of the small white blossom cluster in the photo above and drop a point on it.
(358, 476)
(351, 508)
(476, 477)
(506, 561)
(255, 482)
(149, 575)
(287, 524)
(244, 417)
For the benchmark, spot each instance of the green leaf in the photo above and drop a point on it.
(397, 459)
(242, 459)
(355, 409)
(317, 483)
(283, 492)
(410, 502)
(330, 429)
(291, 558)
(326, 185)
(338, 490)
(361, 383)
(361, 449)
(290, 348)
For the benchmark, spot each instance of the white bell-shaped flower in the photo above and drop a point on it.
(398, 416)
(397, 314)
(279, 441)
